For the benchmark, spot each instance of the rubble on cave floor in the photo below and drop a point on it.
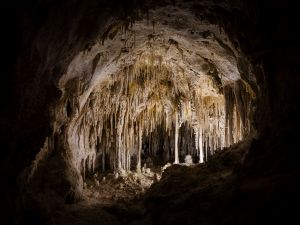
(109, 188)
(110, 198)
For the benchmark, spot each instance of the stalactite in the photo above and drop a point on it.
(146, 100)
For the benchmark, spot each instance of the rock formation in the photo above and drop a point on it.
(122, 88)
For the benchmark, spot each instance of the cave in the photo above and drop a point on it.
(150, 112)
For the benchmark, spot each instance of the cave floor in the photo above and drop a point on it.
(210, 193)
(110, 200)
(128, 200)
(130, 185)
(85, 212)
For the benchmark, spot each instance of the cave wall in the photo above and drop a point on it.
(43, 37)
(39, 53)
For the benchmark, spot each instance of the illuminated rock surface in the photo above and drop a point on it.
(150, 112)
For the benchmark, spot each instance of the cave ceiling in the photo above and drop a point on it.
(178, 39)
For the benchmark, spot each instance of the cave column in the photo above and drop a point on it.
(176, 139)
(138, 167)
(200, 144)
(119, 146)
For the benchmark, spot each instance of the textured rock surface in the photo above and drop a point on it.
(57, 52)
(155, 70)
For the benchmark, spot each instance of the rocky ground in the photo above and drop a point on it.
(110, 198)
(127, 199)
(110, 188)
(219, 191)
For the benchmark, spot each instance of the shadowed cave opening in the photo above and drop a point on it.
(150, 112)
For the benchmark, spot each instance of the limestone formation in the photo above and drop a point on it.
(101, 97)
(168, 81)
